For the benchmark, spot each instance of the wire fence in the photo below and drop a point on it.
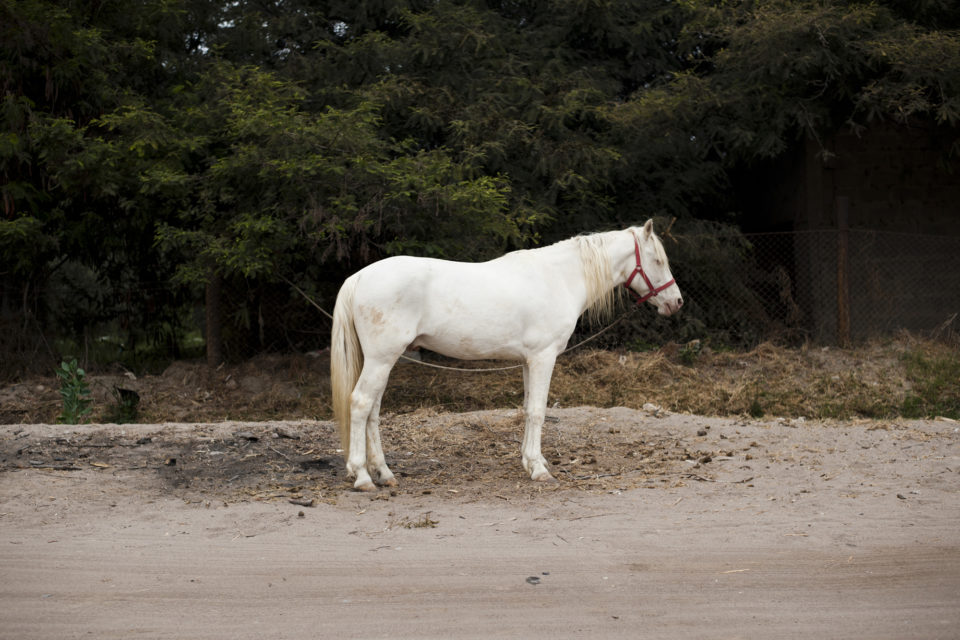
(834, 287)
(822, 287)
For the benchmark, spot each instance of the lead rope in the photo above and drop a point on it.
(440, 366)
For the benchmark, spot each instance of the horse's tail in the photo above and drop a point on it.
(346, 360)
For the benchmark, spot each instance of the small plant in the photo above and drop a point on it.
(75, 393)
(688, 353)
(128, 403)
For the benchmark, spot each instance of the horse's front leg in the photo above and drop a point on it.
(537, 372)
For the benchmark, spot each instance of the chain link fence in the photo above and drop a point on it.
(822, 287)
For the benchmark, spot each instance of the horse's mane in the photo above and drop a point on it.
(597, 275)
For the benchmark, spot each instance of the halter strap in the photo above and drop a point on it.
(651, 290)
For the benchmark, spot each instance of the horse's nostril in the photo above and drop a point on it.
(679, 302)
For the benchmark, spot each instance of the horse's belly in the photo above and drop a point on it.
(470, 347)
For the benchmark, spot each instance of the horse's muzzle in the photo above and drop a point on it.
(670, 307)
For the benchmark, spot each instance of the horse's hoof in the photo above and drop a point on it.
(366, 487)
(383, 479)
(545, 477)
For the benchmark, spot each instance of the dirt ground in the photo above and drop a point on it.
(661, 525)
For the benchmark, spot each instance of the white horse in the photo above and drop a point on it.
(521, 306)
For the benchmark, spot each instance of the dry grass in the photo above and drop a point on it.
(882, 379)
(869, 381)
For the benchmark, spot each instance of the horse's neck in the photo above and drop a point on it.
(596, 264)
(619, 248)
(623, 258)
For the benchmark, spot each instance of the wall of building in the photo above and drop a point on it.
(898, 192)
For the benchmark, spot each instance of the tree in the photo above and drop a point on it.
(261, 186)
(198, 142)
(66, 205)
(764, 74)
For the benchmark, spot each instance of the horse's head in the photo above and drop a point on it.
(655, 282)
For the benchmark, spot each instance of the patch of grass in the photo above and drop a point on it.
(852, 393)
(935, 385)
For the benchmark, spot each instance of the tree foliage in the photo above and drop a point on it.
(173, 141)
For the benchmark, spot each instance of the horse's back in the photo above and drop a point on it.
(397, 278)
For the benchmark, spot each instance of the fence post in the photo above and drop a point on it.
(213, 316)
(842, 206)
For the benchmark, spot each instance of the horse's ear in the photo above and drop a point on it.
(648, 228)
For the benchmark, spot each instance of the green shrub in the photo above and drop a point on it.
(75, 393)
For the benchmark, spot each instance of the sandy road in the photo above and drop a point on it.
(841, 531)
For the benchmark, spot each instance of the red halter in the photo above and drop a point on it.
(651, 290)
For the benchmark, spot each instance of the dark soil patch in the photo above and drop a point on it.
(449, 455)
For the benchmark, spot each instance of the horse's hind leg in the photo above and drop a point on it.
(376, 461)
(537, 372)
(364, 401)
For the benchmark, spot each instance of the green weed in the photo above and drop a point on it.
(75, 393)
(688, 353)
(935, 386)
